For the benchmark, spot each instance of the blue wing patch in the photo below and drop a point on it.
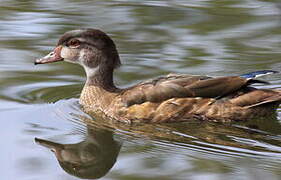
(256, 74)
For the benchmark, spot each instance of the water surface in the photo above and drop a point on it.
(154, 38)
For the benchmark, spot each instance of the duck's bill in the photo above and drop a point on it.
(53, 56)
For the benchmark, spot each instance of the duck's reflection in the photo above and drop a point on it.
(91, 158)
(94, 156)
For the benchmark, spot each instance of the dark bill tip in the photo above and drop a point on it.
(35, 63)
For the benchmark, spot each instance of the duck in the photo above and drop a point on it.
(169, 98)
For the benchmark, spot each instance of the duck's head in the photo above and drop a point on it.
(91, 48)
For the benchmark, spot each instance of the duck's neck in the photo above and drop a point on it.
(99, 89)
(101, 77)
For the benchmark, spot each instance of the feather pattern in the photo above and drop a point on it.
(178, 86)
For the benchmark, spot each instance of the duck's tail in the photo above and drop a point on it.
(258, 97)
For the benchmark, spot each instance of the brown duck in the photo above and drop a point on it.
(171, 98)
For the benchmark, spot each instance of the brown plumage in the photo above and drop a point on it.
(166, 99)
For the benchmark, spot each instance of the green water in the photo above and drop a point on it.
(153, 38)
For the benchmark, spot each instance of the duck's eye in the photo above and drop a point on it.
(74, 43)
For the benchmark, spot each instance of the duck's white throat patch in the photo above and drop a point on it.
(91, 71)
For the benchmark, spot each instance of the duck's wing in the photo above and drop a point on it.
(178, 86)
